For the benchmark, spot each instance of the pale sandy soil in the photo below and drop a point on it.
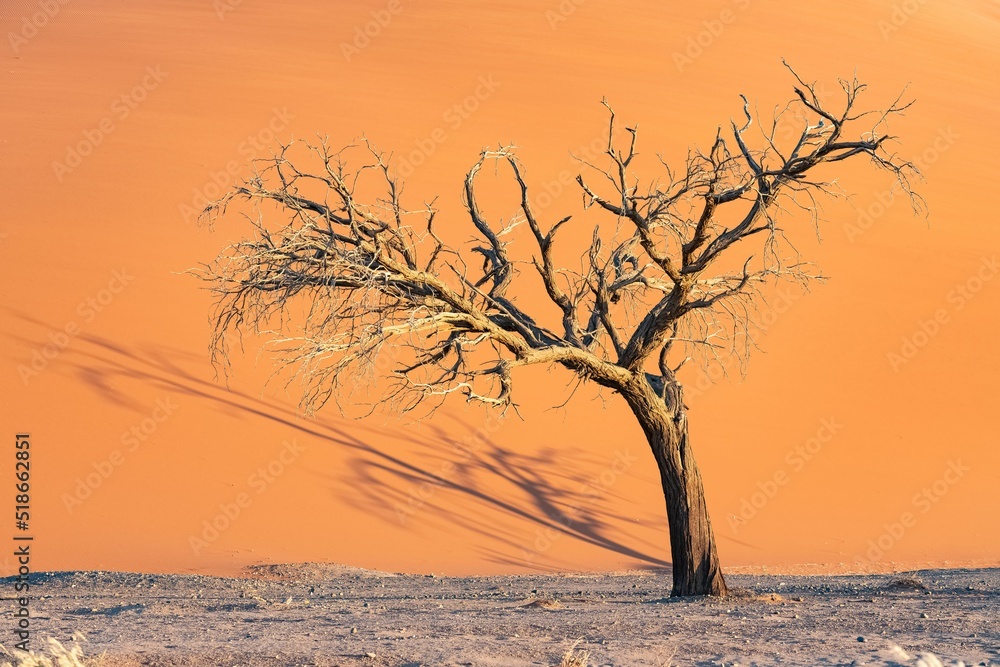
(323, 615)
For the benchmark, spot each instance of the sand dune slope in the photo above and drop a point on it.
(118, 120)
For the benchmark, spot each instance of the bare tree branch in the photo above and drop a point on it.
(373, 283)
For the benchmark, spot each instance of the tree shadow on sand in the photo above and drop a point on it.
(542, 488)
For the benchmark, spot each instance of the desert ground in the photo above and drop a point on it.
(310, 614)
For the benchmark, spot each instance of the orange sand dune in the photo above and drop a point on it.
(117, 121)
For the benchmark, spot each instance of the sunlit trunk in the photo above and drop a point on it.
(694, 557)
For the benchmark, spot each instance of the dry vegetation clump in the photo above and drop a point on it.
(753, 596)
(907, 582)
(544, 603)
(574, 658)
(56, 655)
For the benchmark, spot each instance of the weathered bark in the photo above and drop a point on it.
(694, 558)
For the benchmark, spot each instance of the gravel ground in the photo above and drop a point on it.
(326, 615)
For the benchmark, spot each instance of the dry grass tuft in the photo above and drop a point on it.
(574, 658)
(753, 596)
(906, 583)
(897, 653)
(544, 603)
(56, 655)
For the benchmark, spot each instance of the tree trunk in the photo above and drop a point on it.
(695, 561)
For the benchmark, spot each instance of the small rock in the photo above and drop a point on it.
(354, 631)
(924, 615)
(861, 639)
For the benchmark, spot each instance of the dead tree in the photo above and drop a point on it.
(341, 277)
